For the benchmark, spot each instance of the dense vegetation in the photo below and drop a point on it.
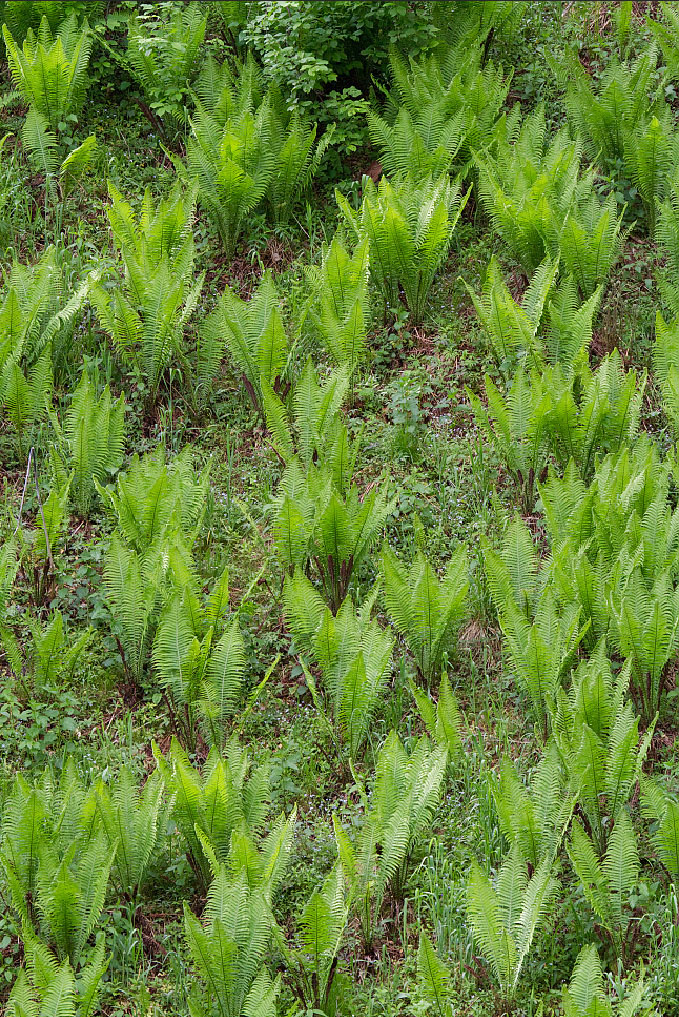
(339, 568)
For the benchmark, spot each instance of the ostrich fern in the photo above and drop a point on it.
(608, 882)
(585, 994)
(341, 305)
(409, 227)
(353, 654)
(425, 610)
(406, 793)
(90, 442)
(505, 917)
(51, 73)
(254, 334)
(209, 806)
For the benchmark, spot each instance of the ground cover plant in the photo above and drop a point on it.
(339, 529)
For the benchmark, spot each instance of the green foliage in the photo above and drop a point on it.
(404, 799)
(47, 658)
(425, 610)
(433, 978)
(51, 73)
(534, 819)
(131, 819)
(323, 525)
(57, 886)
(53, 990)
(528, 185)
(609, 881)
(253, 333)
(352, 652)
(26, 398)
(607, 115)
(663, 812)
(200, 659)
(443, 719)
(317, 431)
(341, 311)
(312, 963)
(409, 227)
(159, 511)
(90, 442)
(441, 109)
(147, 315)
(548, 327)
(209, 806)
(162, 53)
(591, 242)
(505, 917)
(597, 735)
(229, 949)
(585, 995)
(651, 158)
(516, 427)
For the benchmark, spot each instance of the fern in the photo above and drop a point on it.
(353, 654)
(652, 156)
(547, 328)
(26, 398)
(51, 73)
(208, 807)
(317, 431)
(162, 54)
(49, 989)
(434, 979)
(90, 442)
(442, 107)
(147, 315)
(534, 819)
(341, 311)
(506, 917)
(666, 368)
(131, 821)
(425, 610)
(442, 719)
(253, 332)
(234, 163)
(312, 962)
(229, 950)
(598, 740)
(199, 677)
(333, 530)
(585, 995)
(609, 114)
(297, 158)
(406, 792)
(541, 652)
(591, 242)
(517, 427)
(409, 228)
(528, 187)
(608, 882)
